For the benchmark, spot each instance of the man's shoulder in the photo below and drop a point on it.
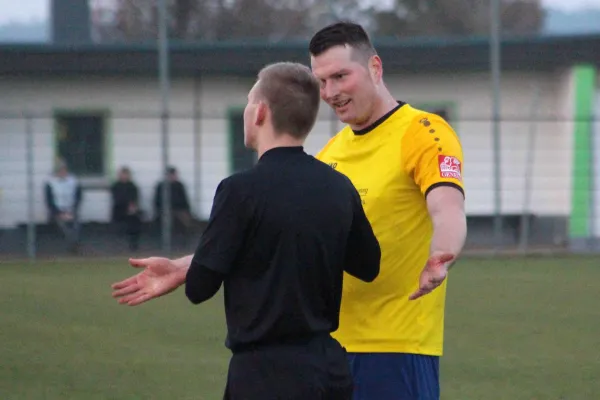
(236, 179)
(56, 180)
(240, 181)
(422, 118)
(336, 139)
(328, 171)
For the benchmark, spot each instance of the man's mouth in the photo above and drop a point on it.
(341, 104)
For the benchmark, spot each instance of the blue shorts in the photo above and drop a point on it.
(394, 376)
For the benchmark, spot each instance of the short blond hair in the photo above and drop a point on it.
(292, 93)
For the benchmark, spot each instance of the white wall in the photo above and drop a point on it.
(134, 130)
(551, 171)
(135, 135)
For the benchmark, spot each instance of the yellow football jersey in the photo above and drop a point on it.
(393, 165)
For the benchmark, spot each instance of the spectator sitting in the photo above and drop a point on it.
(63, 197)
(125, 207)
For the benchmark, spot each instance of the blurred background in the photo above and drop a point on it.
(91, 87)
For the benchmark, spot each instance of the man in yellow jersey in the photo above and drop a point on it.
(407, 166)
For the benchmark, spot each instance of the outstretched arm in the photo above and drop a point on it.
(447, 211)
(202, 272)
(433, 157)
(446, 207)
(159, 276)
(222, 240)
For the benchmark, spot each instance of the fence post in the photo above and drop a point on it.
(529, 163)
(163, 67)
(197, 115)
(31, 232)
(495, 70)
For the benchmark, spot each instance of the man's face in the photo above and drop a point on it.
(124, 176)
(250, 119)
(62, 172)
(346, 84)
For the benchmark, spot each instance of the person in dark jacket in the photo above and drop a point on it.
(125, 207)
(180, 207)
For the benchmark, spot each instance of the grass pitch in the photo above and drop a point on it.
(520, 328)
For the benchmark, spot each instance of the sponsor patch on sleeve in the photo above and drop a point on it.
(450, 167)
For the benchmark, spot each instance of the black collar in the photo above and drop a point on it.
(281, 152)
(381, 120)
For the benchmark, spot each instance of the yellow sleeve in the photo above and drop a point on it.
(432, 154)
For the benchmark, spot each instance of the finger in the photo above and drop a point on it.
(435, 282)
(139, 300)
(131, 297)
(421, 291)
(124, 283)
(138, 262)
(425, 289)
(126, 290)
(417, 294)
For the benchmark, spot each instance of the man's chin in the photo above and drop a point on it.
(346, 118)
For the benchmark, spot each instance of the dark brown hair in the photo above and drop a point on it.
(292, 93)
(342, 34)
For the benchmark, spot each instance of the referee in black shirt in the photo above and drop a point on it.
(279, 238)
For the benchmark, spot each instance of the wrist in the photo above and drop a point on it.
(444, 253)
(183, 262)
(180, 276)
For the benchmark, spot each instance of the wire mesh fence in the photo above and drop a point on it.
(540, 205)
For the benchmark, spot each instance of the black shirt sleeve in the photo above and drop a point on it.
(202, 283)
(220, 244)
(363, 253)
(225, 233)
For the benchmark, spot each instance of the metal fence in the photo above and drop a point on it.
(542, 176)
(95, 144)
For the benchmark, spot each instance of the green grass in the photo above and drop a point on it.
(515, 329)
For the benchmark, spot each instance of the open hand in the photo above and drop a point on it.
(160, 276)
(433, 274)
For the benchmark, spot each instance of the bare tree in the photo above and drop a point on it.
(455, 17)
(136, 20)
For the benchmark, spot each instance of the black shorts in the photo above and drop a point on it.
(317, 370)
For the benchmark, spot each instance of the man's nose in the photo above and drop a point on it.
(330, 91)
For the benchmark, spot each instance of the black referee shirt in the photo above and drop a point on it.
(279, 237)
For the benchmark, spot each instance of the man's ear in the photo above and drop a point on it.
(260, 115)
(376, 68)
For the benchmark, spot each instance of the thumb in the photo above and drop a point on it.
(139, 262)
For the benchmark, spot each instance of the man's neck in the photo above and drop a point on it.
(282, 140)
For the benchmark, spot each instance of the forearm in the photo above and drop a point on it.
(449, 231)
(202, 283)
